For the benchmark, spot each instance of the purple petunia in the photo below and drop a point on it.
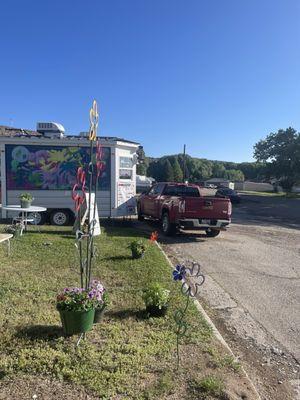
(96, 291)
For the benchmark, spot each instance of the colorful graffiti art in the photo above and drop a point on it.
(49, 167)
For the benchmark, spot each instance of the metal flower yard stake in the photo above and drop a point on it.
(88, 194)
(77, 306)
(189, 289)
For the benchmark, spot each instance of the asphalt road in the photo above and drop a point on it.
(253, 272)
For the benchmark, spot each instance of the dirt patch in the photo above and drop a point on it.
(270, 372)
(33, 387)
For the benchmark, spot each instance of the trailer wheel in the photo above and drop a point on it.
(39, 218)
(59, 217)
(212, 232)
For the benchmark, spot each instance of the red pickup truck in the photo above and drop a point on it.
(179, 205)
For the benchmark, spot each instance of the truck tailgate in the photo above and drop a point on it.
(206, 207)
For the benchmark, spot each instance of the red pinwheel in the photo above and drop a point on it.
(79, 187)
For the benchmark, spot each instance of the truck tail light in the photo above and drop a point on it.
(229, 208)
(181, 206)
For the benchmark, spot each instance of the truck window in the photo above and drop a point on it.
(181, 190)
(191, 192)
(157, 189)
(171, 191)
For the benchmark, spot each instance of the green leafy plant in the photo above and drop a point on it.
(26, 197)
(106, 299)
(209, 386)
(156, 295)
(138, 248)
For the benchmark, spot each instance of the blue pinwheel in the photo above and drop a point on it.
(179, 272)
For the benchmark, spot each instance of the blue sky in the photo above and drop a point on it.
(217, 75)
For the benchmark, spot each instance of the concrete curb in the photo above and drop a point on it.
(213, 327)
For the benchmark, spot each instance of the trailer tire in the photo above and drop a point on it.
(59, 217)
(40, 218)
(168, 228)
(212, 232)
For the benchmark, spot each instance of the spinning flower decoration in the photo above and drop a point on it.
(195, 278)
(189, 288)
(179, 272)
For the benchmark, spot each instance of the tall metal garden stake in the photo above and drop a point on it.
(94, 118)
(191, 279)
(86, 257)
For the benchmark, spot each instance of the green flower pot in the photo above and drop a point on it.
(74, 322)
(155, 311)
(25, 203)
(99, 312)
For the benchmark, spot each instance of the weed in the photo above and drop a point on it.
(164, 386)
(209, 386)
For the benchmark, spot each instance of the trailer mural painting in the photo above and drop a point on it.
(49, 167)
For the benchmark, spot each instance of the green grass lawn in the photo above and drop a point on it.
(125, 356)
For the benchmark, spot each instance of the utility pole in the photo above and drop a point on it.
(184, 162)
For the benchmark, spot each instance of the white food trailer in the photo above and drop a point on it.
(44, 163)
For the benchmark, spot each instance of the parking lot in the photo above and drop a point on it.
(253, 286)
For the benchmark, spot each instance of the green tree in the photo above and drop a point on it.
(141, 169)
(252, 170)
(280, 152)
(155, 170)
(218, 170)
(168, 175)
(201, 169)
(234, 175)
(177, 171)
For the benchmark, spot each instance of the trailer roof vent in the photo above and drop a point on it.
(50, 129)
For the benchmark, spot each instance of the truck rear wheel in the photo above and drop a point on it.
(140, 216)
(59, 217)
(168, 228)
(212, 232)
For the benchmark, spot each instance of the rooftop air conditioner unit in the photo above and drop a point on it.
(83, 134)
(51, 130)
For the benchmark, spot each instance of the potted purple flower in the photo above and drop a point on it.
(101, 299)
(76, 307)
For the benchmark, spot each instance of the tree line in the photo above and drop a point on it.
(171, 169)
(277, 158)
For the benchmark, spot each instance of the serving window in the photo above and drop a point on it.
(125, 168)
